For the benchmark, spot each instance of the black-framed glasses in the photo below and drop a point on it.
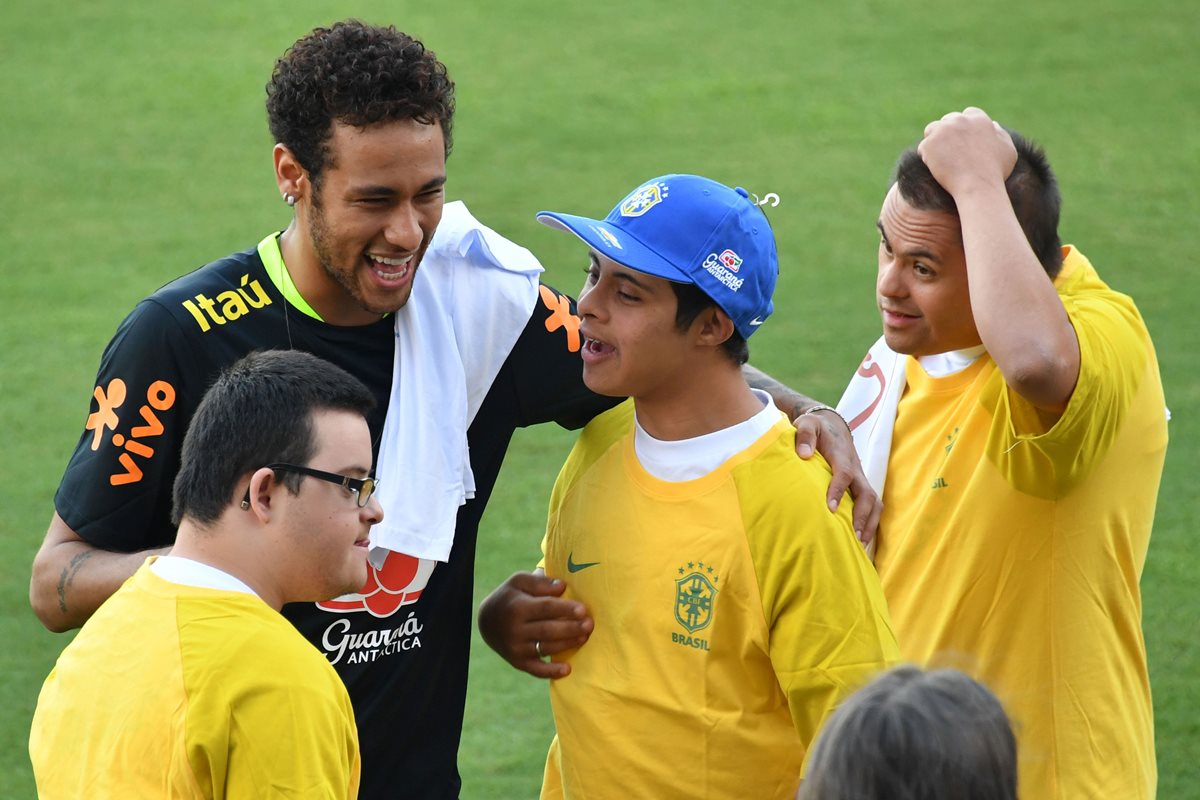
(362, 488)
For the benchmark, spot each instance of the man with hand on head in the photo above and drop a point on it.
(442, 318)
(188, 682)
(730, 612)
(1015, 407)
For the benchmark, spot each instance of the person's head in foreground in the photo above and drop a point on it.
(362, 117)
(276, 471)
(921, 287)
(681, 273)
(915, 735)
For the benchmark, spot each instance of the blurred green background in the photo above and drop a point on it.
(134, 148)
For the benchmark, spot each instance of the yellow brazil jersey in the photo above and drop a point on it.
(173, 691)
(732, 613)
(1012, 544)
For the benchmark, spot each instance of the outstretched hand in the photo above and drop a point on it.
(526, 620)
(826, 433)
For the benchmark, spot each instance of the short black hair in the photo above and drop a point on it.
(691, 300)
(357, 74)
(1032, 190)
(258, 411)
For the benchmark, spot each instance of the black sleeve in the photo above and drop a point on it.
(116, 491)
(544, 371)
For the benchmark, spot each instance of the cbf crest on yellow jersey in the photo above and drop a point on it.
(732, 613)
(695, 601)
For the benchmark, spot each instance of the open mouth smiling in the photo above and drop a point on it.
(390, 269)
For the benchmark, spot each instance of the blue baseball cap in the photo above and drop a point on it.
(690, 229)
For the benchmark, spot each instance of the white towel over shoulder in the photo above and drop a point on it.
(472, 296)
(869, 406)
(872, 399)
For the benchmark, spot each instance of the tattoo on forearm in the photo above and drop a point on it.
(68, 577)
(787, 399)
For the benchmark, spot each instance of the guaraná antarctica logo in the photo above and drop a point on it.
(730, 260)
(724, 268)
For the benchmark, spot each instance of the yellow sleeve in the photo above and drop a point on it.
(279, 725)
(825, 611)
(1048, 457)
(293, 742)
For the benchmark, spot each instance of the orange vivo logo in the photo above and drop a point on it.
(139, 440)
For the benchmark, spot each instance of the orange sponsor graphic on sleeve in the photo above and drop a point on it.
(105, 416)
(561, 317)
(160, 396)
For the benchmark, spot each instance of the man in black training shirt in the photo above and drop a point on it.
(362, 119)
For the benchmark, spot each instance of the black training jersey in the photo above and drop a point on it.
(404, 662)
(116, 492)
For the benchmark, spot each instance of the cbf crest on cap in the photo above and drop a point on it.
(690, 229)
(643, 199)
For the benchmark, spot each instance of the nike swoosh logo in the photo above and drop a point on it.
(573, 567)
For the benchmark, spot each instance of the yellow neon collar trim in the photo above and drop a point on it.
(272, 258)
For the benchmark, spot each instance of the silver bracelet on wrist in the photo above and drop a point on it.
(817, 408)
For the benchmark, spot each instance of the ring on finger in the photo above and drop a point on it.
(537, 648)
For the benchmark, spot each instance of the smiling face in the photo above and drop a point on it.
(372, 218)
(325, 551)
(921, 287)
(632, 347)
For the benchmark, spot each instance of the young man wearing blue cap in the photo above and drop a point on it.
(729, 611)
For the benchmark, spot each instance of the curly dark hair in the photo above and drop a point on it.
(357, 74)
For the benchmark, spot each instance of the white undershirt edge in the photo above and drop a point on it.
(188, 572)
(689, 459)
(940, 365)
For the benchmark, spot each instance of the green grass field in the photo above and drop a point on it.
(135, 148)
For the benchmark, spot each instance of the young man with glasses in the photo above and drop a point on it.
(188, 682)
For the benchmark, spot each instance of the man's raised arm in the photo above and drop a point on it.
(1017, 311)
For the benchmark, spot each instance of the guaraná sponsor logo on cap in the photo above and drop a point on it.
(730, 260)
(716, 265)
